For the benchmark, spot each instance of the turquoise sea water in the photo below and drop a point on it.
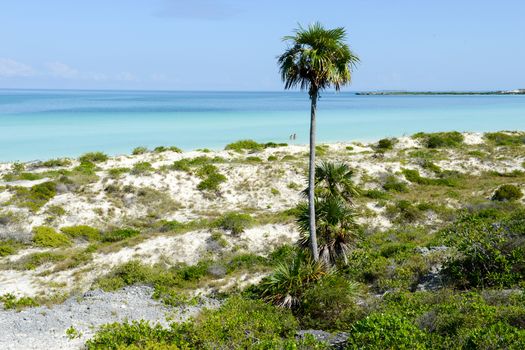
(41, 124)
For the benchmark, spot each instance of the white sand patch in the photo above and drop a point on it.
(19, 283)
(407, 142)
(473, 138)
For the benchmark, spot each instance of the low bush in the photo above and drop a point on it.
(253, 159)
(244, 145)
(491, 249)
(142, 168)
(330, 304)
(10, 301)
(58, 162)
(237, 324)
(376, 194)
(44, 236)
(211, 178)
(84, 232)
(236, 223)
(34, 260)
(9, 247)
(385, 144)
(119, 235)
(405, 212)
(36, 196)
(392, 184)
(139, 150)
(385, 331)
(93, 157)
(448, 179)
(507, 193)
(441, 139)
(506, 138)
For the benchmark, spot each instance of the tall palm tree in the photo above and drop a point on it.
(316, 59)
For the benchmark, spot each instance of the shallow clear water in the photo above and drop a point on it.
(41, 124)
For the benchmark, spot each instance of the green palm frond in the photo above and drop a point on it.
(334, 179)
(317, 59)
(336, 228)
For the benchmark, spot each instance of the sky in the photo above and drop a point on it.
(233, 44)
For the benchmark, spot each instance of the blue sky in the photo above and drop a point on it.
(232, 44)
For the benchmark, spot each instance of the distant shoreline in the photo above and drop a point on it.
(501, 92)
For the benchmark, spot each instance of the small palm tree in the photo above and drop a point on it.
(336, 228)
(334, 180)
(317, 59)
(290, 279)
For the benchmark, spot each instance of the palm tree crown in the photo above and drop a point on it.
(317, 59)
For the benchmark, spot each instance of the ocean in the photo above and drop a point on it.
(43, 124)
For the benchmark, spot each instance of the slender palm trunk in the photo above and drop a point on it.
(311, 177)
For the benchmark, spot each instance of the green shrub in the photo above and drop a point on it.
(288, 157)
(115, 173)
(142, 168)
(58, 162)
(330, 304)
(242, 145)
(34, 260)
(376, 194)
(506, 138)
(93, 157)
(236, 223)
(491, 250)
(497, 336)
(274, 158)
(441, 139)
(10, 301)
(139, 150)
(119, 235)
(392, 184)
(211, 178)
(385, 331)
(9, 247)
(253, 159)
(405, 211)
(507, 193)
(448, 179)
(36, 196)
(44, 236)
(82, 231)
(237, 324)
(321, 150)
(385, 144)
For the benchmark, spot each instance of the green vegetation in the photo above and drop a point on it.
(9, 247)
(392, 184)
(244, 145)
(139, 150)
(441, 139)
(507, 193)
(58, 162)
(449, 179)
(83, 232)
(119, 235)
(236, 223)
(385, 144)
(93, 157)
(268, 327)
(34, 197)
(10, 301)
(142, 168)
(506, 138)
(211, 178)
(44, 236)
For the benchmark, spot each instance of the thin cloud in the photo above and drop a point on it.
(197, 9)
(10, 68)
